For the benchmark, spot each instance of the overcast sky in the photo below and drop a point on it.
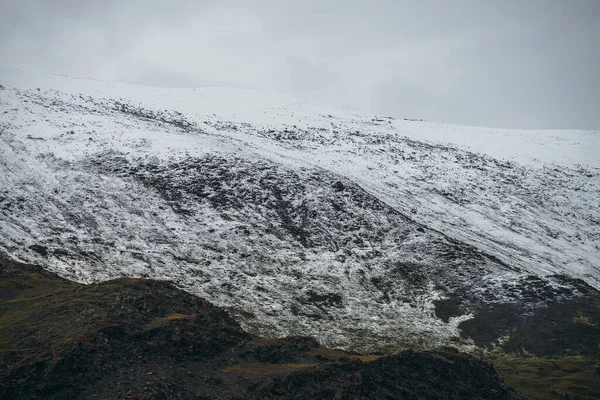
(498, 63)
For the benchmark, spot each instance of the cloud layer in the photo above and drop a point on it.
(521, 64)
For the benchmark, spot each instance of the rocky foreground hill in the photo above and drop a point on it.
(144, 339)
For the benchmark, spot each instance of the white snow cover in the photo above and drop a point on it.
(529, 198)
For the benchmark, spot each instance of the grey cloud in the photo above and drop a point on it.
(511, 63)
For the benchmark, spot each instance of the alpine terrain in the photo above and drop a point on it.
(367, 233)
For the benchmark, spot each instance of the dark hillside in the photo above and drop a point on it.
(143, 339)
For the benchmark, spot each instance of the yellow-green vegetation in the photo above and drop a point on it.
(583, 321)
(544, 378)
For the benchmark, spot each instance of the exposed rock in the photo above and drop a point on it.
(142, 339)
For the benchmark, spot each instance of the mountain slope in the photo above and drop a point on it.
(367, 233)
(142, 339)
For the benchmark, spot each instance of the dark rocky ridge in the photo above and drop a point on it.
(142, 339)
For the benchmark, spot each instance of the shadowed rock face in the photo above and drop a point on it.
(549, 321)
(406, 376)
(142, 339)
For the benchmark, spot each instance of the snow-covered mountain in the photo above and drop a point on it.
(366, 232)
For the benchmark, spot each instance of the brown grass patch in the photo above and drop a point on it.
(268, 342)
(22, 298)
(267, 369)
(551, 378)
(331, 354)
(367, 358)
(161, 321)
